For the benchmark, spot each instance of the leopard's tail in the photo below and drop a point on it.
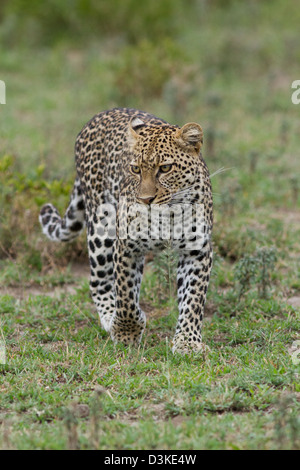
(69, 227)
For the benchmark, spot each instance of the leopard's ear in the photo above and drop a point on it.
(134, 125)
(190, 136)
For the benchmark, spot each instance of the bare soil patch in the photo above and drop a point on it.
(78, 270)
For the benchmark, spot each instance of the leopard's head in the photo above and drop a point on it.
(163, 161)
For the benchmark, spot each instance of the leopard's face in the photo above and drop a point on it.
(163, 162)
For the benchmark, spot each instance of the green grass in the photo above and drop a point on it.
(65, 384)
(228, 66)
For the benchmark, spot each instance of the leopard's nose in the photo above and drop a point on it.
(146, 200)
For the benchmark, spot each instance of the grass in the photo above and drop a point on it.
(64, 384)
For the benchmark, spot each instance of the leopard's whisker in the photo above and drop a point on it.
(221, 170)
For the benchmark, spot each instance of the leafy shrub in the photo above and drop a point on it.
(257, 270)
(146, 67)
(48, 22)
(21, 197)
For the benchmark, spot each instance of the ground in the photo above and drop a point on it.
(66, 385)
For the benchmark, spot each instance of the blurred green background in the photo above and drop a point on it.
(217, 62)
(228, 65)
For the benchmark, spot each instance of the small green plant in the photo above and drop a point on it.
(165, 268)
(256, 269)
(266, 259)
(244, 273)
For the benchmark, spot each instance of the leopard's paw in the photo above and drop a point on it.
(188, 345)
(127, 330)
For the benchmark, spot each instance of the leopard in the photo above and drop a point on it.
(141, 185)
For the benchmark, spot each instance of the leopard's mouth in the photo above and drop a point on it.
(159, 198)
(179, 196)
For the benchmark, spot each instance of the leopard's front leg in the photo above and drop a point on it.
(192, 279)
(129, 321)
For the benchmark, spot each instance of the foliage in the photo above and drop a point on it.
(53, 21)
(146, 67)
(21, 196)
(257, 270)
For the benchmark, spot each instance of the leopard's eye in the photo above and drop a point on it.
(135, 169)
(165, 168)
